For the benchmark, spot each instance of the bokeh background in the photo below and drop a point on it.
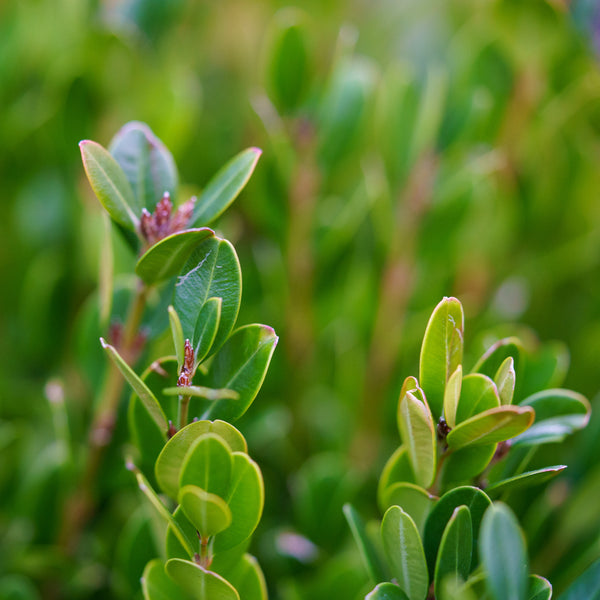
(411, 149)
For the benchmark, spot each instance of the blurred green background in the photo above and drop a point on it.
(412, 149)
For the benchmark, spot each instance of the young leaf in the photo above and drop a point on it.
(208, 513)
(503, 554)
(109, 184)
(466, 463)
(147, 164)
(539, 588)
(491, 426)
(177, 334)
(418, 434)
(454, 555)
(585, 586)
(139, 387)
(157, 585)
(478, 394)
(206, 328)
(505, 380)
(211, 271)
(524, 480)
(170, 461)
(368, 552)
(248, 579)
(495, 355)
(473, 498)
(386, 591)
(441, 352)
(224, 187)
(452, 396)
(412, 499)
(397, 469)
(404, 551)
(240, 365)
(167, 257)
(200, 583)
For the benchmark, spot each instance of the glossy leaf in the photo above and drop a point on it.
(367, 549)
(208, 512)
(157, 585)
(139, 387)
(539, 588)
(167, 257)
(585, 586)
(200, 583)
(206, 328)
(492, 426)
(170, 461)
(441, 351)
(211, 271)
(404, 551)
(109, 184)
(478, 394)
(418, 434)
(245, 498)
(412, 499)
(147, 164)
(474, 499)
(468, 462)
(224, 187)
(208, 464)
(240, 365)
(454, 554)
(524, 480)
(397, 469)
(248, 579)
(452, 396)
(505, 380)
(386, 591)
(503, 554)
(178, 339)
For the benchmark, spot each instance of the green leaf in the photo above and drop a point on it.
(441, 352)
(139, 387)
(412, 499)
(167, 257)
(454, 555)
(466, 463)
(478, 394)
(452, 396)
(386, 591)
(208, 464)
(491, 426)
(397, 469)
(109, 184)
(197, 391)
(248, 579)
(505, 380)
(418, 434)
(524, 480)
(503, 554)
(177, 333)
(585, 586)
(224, 187)
(211, 271)
(200, 583)
(367, 549)
(404, 551)
(170, 461)
(157, 585)
(240, 365)
(558, 413)
(208, 512)
(147, 164)
(246, 498)
(206, 328)
(539, 588)
(473, 498)
(495, 355)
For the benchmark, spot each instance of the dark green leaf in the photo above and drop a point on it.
(524, 480)
(178, 339)
(585, 586)
(206, 328)
(468, 462)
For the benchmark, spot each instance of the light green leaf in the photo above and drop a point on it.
(404, 551)
(167, 257)
(478, 394)
(503, 554)
(454, 555)
(397, 469)
(208, 512)
(412, 499)
(505, 380)
(170, 460)
(147, 164)
(240, 365)
(206, 328)
(441, 351)
(452, 396)
(418, 434)
(368, 552)
(109, 184)
(539, 588)
(157, 585)
(211, 271)
(197, 391)
(200, 583)
(474, 499)
(224, 187)
(248, 579)
(386, 591)
(496, 354)
(491, 426)
(585, 586)
(139, 387)
(177, 333)
(207, 464)
(524, 480)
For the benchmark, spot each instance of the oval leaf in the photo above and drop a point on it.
(466, 463)
(524, 480)
(404, 551)
(441, 352)
(505, 380)
(208, 513)
(412, 499)
(224, 187)
(200, 583)
(248, 579)
(386, 591)
(539, 588)
(157, 585)
(478, 394)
